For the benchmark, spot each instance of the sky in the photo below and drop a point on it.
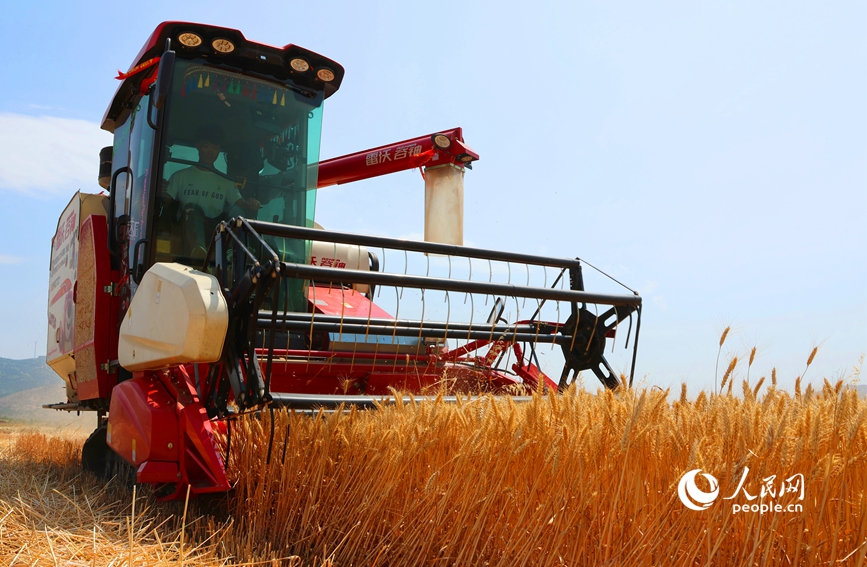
(709, 155)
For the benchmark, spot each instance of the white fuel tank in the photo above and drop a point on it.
(177, 315)
(336, 255)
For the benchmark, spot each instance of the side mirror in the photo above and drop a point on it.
(164, 77)
(105, 156)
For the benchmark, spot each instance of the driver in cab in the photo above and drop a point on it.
(199, 185)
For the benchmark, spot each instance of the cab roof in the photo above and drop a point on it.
(250, 57)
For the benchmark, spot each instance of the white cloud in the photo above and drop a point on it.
(648, 287)
(49, 155)
(8, 259)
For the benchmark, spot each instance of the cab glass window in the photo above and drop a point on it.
(234, 145)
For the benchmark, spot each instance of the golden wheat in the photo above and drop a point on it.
(582, 479)
(752, 359)
(578, 479)
(810, 360)
(732, 364)
(722, 341)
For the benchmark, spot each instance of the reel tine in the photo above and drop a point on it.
(469, 278)
(394, 328)
(270, 436)
(490, 278)
(405, 268)
(381, 269)
(448, 315)
(421, 325)
(310, 334)
(472, 314)
(286, 439)
(593, 332)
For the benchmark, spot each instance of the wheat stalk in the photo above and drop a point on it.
(732, 363)
(810, 360)
(750, 363)
(722, 341)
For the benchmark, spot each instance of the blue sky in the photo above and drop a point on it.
(710, 155)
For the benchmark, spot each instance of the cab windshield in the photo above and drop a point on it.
(235, 145)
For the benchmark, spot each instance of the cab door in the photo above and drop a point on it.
(132, 164)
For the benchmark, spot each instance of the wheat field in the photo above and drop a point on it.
(574, 479)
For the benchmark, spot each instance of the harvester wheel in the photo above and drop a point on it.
(98, 458)
(94, 453)
(119, 470)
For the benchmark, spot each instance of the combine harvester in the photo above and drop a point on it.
(200, 287)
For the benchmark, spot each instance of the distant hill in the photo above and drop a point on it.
(20, 375)
(27, 384)
(26, 406)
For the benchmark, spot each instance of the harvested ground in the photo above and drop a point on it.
(53, 514)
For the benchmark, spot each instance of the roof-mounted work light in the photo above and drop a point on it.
(299, 65)
(190, 39)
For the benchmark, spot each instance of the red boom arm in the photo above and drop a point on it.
(439, 148)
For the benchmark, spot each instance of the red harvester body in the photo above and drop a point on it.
(200, 288)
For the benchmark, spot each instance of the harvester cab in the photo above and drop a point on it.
(200, 287)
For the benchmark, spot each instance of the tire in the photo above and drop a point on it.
(94, 453)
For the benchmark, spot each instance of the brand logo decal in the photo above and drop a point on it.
(692, 496)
